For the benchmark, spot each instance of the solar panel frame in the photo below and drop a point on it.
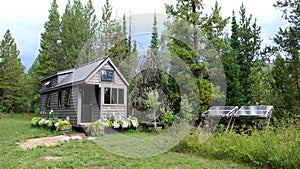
(254, 112)
(223, 111)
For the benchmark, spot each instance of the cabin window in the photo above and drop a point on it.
(68, 97)
(121, 96)
(48, 84)
(48, 100)
(59, 100)
(113, 96)
(107, 75)
(106, 95)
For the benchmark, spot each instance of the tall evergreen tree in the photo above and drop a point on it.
(154, 38)
(185, 42)
(232, 68)
(214, 28)
(248, 50)
(12, 77)
(107, 24)
(50, 56)
(78, 27)
(288, 41)
(283, 93)
(34, 83)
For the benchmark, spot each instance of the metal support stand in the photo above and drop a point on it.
(229, 123)
(269, 120)
(232, 124)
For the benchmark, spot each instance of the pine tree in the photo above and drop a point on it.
(283, 93)
(78, 27)
(214, 25)
(232, 68)
(185, 43)
(50, 56)
(288, 39)
(244, 49)
(121, 49)
(107, 26)
(12, 77)
(154, 38)
(35, 85)
(214, 28)
(249, 40)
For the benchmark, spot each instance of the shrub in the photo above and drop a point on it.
(168, 116)
(275, 148)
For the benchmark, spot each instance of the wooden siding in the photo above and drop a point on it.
(60, 112)
(116, 110)
(96, 79)
(107, 66)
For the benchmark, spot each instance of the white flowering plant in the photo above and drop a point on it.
(50, 122)
(44, 122)
(120, 122)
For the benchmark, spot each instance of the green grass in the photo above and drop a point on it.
(84, 153)
(275, 148)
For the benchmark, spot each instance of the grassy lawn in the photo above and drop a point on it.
(84, 153)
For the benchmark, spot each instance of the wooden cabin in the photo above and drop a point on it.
(85, 94)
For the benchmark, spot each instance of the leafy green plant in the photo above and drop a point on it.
(63, 125)
(168, 116)
(153, 104)
(97, 128)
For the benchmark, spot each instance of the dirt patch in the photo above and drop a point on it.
(45, 141)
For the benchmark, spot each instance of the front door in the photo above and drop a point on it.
(90, 103)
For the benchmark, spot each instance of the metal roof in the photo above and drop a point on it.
(82, 73)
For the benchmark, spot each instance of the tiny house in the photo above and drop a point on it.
(85, 94)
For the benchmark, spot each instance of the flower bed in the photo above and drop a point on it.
(51, 123)
(113, 125)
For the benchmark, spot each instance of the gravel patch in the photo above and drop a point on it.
(45, 141)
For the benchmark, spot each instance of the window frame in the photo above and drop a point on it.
(67, 99)
(114, 99)
(59, 98)
(123, 97)
(48, 101)
(107, 89)
(111, 79)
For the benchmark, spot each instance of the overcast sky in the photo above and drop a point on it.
(26, 18)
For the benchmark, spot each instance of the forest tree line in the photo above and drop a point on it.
(255, 75)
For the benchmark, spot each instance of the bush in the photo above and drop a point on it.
(37, 113)
(276, 148)
(168, 116)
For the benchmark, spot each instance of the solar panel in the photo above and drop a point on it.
(223, 111)
(254, 111)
